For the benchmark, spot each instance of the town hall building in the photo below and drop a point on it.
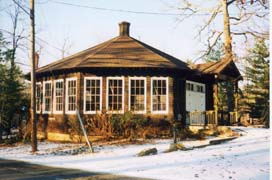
(124, 74)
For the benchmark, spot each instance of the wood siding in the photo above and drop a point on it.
(60, 122)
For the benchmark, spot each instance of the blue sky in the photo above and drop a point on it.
(85, 27)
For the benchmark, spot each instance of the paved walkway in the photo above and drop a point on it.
(10, 169)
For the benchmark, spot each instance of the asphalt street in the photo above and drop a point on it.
(11, 169)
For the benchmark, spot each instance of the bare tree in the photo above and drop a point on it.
(66, 46)
(240, 17)
(16, 34)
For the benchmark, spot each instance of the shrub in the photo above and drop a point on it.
(187, 133)
(75, 130)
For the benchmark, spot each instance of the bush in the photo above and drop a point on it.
(187, 133)
(127, 125)
(74, 130)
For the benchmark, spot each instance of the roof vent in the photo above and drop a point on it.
(124, 28)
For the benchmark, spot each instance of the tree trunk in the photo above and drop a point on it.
(227, 34)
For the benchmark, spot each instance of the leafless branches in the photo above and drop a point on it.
(250, 13)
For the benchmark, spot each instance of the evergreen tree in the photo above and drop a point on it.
(11, 98)
(257, 74)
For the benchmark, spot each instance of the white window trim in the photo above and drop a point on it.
(129, 93)
(123, 94)
(38, 84)
(43, 103)
(66, 95)
(84, 98)
(167, 95)
(54, 97)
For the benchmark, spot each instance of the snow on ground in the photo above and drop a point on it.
(246, 157)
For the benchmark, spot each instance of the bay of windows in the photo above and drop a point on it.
(115, 93)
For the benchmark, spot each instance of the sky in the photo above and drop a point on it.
(80, 28)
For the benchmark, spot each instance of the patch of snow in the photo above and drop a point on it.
(246, 157)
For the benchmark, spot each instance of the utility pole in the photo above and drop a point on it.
(33, 79)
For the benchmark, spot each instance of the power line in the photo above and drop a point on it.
(127, 11)
(20, 6)
(49, 44)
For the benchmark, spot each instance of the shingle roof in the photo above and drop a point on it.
(217, 67)
(119, 52)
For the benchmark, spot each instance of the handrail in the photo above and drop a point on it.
(202, 118)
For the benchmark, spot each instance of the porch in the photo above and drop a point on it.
(204, 118)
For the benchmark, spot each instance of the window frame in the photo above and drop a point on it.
(55, 98)
(66, 95)
(84, 98)
(123, 94)
(43, 104)
(41, 91)
(129, 94)
(167, 96)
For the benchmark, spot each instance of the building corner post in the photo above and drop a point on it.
(236, 101)
(215, 99)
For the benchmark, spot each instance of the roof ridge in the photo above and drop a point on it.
(159, 52)
(106, 44)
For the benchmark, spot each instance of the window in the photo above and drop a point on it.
(38, 96)
(92, 95)
(189, 86)
(159, 89)
(47, 97)
(195, 86)
(137, 94)
(71, 90)
(58, 96)
(200, 88)
(115, 94)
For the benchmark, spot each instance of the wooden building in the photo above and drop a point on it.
(125, 74)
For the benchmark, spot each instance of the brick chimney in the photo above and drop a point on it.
(124, 28)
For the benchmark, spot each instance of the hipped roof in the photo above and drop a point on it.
(119, 52)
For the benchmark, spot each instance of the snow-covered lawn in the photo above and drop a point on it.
(246, 157)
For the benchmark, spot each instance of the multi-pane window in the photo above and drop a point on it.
(189, 86)
(71, 88)
(200, 88)
(47, 87)
(137, 95)
(58, 96)
(38, 96)
(194, 86)
(92, 94)
(159, 88)
(115, 95)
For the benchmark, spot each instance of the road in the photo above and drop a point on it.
(11, 169)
